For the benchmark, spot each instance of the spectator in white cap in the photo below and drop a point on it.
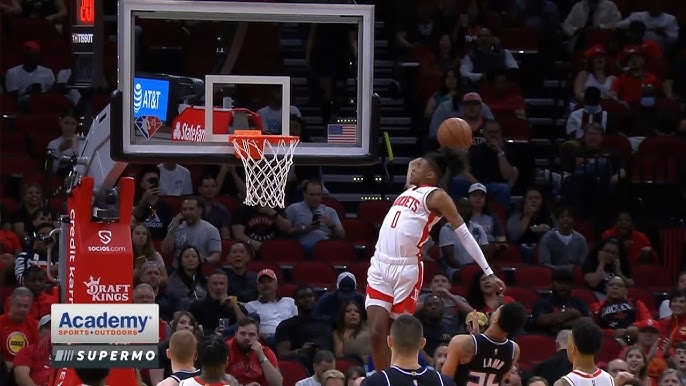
(271, 308)
(32, 363)
(481, 215)
(329, 304)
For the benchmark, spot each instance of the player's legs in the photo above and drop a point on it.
(404, 282)
(378, 304)
(379, 323)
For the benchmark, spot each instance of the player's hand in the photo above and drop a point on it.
(257, 348)
(500, 286)
(622, 377)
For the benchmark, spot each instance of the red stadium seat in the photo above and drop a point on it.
(292, 372)
(512, 255)
(645, 296)
(578, 275)
(527, 296)
(174, 202)
(467, 274)
(536, 348)
(286, 290)
(7, 104)
(373, 211)
(339, 253)
(359, 231)
(459, 290)
(538, 277)
(335, 205)
(43, 124)
(514, 128)
(585, 295)
(430, 270)
(13, 142)
(229, 202)
(226, 246)
(609, 351)
(652, 278)
(359, 269)
(284, 252)
(663, 145)
(316, 273)
(9, 206)
(343, 364)
(519, 39)
(33, 29)
(619, 143)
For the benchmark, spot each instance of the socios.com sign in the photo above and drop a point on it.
(150, 97)
(104, 323)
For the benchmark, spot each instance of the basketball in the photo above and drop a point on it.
(455, 132)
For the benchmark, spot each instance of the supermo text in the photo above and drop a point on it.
(112, 324)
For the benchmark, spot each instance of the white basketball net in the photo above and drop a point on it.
(267, 174)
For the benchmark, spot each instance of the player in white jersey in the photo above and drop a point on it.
(395, 275)
(213, 355)
(585, 341)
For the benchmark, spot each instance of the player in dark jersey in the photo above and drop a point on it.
(405, 341)
(485, 359)
(182, 351)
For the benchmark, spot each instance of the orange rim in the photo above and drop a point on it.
(258, 139)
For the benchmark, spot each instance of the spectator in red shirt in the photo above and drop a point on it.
(502, 95)
(17, 330)
(250, 361)
(674, 327)
(32, 364)
(628, 87)
(636, 243)
(34, 280)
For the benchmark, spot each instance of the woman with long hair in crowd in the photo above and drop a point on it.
(144, 250)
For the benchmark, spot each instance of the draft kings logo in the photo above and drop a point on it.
(104, 323)
(107, 292)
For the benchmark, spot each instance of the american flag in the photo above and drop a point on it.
(342, 133)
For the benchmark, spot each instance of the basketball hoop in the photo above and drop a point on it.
(267, 160)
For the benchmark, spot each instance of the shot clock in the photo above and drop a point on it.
(87, 44)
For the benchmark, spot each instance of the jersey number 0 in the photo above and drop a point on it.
(394, 223)
(481, 379)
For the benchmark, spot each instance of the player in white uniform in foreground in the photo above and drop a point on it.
(586, 340)
(396, 271)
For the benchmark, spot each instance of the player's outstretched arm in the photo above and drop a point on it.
(442, 203)
(460, 346)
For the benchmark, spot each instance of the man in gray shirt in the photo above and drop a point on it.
(311, 221)
(188, 228)
(563, 247)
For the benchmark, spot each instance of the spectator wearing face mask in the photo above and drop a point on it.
(329, 304)
(592, 112)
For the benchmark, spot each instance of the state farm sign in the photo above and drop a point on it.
(189, 126)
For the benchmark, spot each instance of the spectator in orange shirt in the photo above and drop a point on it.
(32, 364)
(636, 243)
(618, 314)
(674, 327)
(250, 361)
(34, 280)
(628, 87)
(17, 330)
